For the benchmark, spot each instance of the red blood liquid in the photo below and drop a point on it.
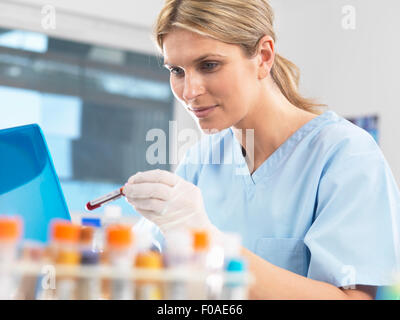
(91, 205)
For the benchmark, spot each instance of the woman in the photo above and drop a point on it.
(312, 196)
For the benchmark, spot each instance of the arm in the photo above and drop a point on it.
(272, 282)
(172, 203)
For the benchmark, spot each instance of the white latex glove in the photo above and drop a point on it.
(168, 200)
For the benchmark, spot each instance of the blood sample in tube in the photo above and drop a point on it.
(97, 203)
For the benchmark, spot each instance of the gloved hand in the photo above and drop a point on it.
(168, 200)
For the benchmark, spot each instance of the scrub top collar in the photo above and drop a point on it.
(273, 162)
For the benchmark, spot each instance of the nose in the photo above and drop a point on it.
(193, 87)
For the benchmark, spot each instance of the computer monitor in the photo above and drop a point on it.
(29, 185)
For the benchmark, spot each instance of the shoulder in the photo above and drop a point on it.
(340, 142)
(339, 133)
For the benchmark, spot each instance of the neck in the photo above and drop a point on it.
(271, 123)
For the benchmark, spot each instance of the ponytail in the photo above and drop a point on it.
(286, 75)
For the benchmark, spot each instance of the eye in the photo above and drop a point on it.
(209, 66)
(176, 71)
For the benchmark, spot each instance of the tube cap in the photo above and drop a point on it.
(236, 265)
(119, 236)
(64, 230)
(201, 240)
(10, 228)
(86, 235)
(93, 222)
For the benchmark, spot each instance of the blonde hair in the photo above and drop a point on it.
(240, 22)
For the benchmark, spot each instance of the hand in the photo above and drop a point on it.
(167, 200)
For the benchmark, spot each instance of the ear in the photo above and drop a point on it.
(266, 56)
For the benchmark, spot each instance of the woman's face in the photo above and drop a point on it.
(214, 80)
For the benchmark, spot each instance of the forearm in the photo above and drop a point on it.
(272, 282)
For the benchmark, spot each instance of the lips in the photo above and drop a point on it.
(202, 112)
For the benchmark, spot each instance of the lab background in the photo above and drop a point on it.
(89, 74)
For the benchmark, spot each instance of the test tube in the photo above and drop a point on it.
(33, 253)
(197, 289)
(235, 287)
(148, 289)
(97, 203)
(65, 239)
(89, 286)
(120, 255)
(178, 253)
(98, 235)
(10, 233)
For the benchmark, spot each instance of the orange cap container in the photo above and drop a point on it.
(201, 240)
(10, 228)
(65, 231)
(119, 236)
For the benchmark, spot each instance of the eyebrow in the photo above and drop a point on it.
(204, 56)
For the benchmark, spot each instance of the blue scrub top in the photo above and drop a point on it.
(324, 205)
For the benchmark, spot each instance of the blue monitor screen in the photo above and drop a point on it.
(29, 186)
